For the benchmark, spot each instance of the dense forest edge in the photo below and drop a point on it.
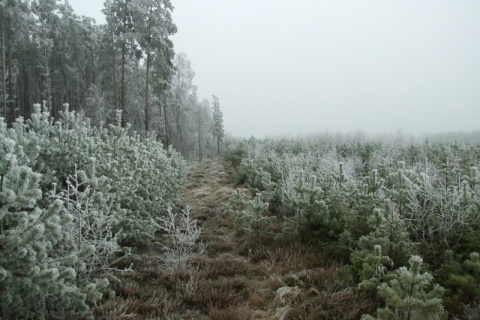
(50, 54)
(121, 197)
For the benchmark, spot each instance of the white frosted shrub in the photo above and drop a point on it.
(37, 269)
(68, 194)
(182, 232)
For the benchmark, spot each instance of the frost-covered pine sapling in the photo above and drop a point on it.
(314, 209)
(461, 280)
(384, 167)
(338, 199)
(37, 264)
(422, 205)
(374, 183)
(399, 188)
(450, 176)
(471, 194)
(449, 220)
(340, 178)
(368, 198)
(256, 178)
(71, 232)
(270, 192)
(396, 230)
(235, 206)
(473, 180)
(366, 244)
(387, 231)
(268, 186)
(473, 263)
(456, 209)
(237, 202)
(410, 296)
(143, 177)
(373, 269)
(311, 213)
(253, 219)
(182, 232)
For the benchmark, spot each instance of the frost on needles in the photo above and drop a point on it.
(70, 196)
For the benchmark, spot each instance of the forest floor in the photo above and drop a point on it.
(238, 276)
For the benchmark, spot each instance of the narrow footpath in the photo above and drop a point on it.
(232, 267)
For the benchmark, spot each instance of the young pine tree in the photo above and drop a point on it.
(409, 296)
(311, 213)
(252, 218)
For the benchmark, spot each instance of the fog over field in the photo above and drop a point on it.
(283, 67)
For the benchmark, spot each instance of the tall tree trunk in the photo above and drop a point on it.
(167, 138)
(4, 72)
(11, 84)
(200, 153)
(122, 102)
(124, 52)
(115, 97)
(65, 83)
(47, 88)
(147, 93)
(94, 75)
(25, 100)
(63, 92)
(179, 138)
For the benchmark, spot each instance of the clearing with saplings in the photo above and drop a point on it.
(99, 223)
(124, 194)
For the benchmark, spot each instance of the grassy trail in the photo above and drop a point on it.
(238, 276)
(236, 287)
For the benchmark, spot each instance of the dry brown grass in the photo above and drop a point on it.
(236, 283)
(223, 194)
(115, 309)
(283, 260)
(275, 227)
(225, 265)
(206, 294)
(202, 192)
(251, 244)
(230, 314)
(219, 246)
(326, 295)
(343, 304)
(202, 215)
(146, 303)
(257, 300)
(128, 289)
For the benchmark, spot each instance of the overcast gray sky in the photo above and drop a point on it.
(295, 67)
